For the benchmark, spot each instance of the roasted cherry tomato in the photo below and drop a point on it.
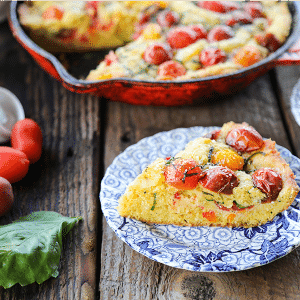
(244, 139)
(212, 56)
(6, 196)
(220, 32)
(157, 53)
(26, 136)
(217, 6)
(170, 70)
(254, 9)
(247, 56)
(219, 179)
(269, 182)
(182, 174)
(110, 58)
(213, 135)
(167, 18)
(228, 158)
(201, 32)
(181, 37)
(239, 17)
(53, 12)
(14, 164)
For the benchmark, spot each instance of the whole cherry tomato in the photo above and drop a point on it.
(220, 180)
(182, 174)
(6, 196)
(181, 37)
(220, 32)
(26, 136)
(201, 32)
(228, 158)
(216, 6)
(14, 164)
(167, 18)
(269, 182)
(212, 56)
(213, 135)
(170, 70)
(254, 9)
(244, 139)
(53, 12)
(247, 56)
(157, 53)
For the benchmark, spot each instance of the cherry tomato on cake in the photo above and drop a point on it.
(239, 17)
(244, 139)
(26, 136)
(220, 32)
(212, 56)
(53, 12)
(219, 179)
(247, 56)
(254, 9)
(213, 135)
(200, 31)
(6, 196)
(14, 164)
(170, 70)
(182, 174)
(181, 37)
(228, 158)
(269, 182)
(216, 6)
(157, 53)
(167, 18)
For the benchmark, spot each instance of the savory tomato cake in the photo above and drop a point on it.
(161, 40)
(230, 177)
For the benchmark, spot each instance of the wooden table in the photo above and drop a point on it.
(82, 136)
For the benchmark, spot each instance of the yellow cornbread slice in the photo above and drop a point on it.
(150, 199)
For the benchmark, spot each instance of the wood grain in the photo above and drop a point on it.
(126, 274)
(65, 179)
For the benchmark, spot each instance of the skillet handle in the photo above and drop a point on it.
(291, 57)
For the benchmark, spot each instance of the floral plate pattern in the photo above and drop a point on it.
(207, 249)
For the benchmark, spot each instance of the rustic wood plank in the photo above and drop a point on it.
(126, 274)
(65, 179)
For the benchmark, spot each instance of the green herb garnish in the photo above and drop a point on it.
(246, 161)
(154, 202)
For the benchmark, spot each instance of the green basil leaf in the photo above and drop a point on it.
(30, 247)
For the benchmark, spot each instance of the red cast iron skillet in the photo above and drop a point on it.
(163, 93)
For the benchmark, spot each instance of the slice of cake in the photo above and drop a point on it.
(230, 177)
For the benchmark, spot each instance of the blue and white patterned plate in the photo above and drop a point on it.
(204, 249)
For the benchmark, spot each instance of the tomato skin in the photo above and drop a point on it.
(52, 13)
(6, 196)
(239, 17)
(170, 69)
(167, 18)
(157, 53)
(200, 31)
(244, 139)
(213, 135)
(212, 56)
(14, 164)
(27, 137)
(183, 174)
(254, 9)
(181, 37)
(228, 158)
(220, 180)
(218, 33)
(269, 182)
(247, 56)
(216, 6)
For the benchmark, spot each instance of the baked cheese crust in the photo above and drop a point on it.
(149, 198)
